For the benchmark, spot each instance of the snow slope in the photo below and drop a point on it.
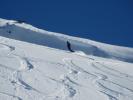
(35, 65)
(25, 32)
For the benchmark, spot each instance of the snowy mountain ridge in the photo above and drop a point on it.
(22, 31)
(36, 65)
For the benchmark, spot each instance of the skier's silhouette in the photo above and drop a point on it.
(69, 46)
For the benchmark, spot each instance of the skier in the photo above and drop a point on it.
(69, 46)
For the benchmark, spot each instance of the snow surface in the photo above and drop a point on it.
(36, 65)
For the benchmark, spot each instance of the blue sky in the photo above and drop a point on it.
(109, 21)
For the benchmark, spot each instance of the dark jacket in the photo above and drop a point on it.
(69, 46)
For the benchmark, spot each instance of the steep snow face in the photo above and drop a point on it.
(32, 72)
(35, 71)
(24, 32)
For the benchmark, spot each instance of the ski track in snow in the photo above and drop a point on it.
(6, 47)
(108, 71)
(16, 78)
(99, 72)
(17, 81)
(101, 75)
(76, 72)
(10, 95)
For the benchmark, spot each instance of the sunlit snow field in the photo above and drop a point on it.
(36, 65)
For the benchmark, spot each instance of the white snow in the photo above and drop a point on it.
(36, 65)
